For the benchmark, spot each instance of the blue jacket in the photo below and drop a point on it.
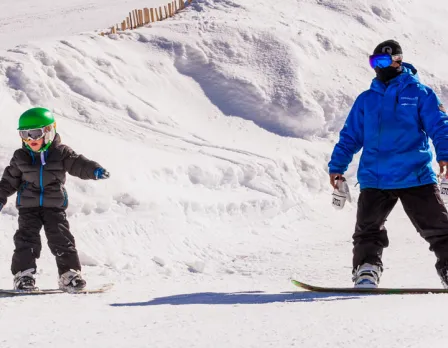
(392, 124)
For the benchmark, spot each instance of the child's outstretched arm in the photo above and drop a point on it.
(10, 182)
(80, 166)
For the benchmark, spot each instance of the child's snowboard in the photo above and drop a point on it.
(10, 292)
(390, 291)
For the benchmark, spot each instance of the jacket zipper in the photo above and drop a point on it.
(43, 162)
(379, 142)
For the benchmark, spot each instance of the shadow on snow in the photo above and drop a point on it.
(233, 298)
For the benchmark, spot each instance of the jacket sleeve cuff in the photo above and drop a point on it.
(335, 170)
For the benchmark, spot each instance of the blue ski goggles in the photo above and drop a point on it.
(383, 60)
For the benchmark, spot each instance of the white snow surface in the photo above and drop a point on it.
(26, 20)
(216, 126)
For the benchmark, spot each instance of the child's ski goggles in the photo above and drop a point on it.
(34, 134)
(383, 60)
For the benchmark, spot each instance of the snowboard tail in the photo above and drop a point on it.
(11, 292)
(388, 291)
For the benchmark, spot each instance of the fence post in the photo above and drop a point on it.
(140, 17)
(160, 13)
(166, 12)
(113, 30)
(130, 21)
(134, 19)
(170, 10)
(152, 15)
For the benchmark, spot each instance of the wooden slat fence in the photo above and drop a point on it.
(139, 18)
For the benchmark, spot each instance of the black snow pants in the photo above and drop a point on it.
(424, 207)
(57, 230)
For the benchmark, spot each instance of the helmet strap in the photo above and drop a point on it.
(45, 148)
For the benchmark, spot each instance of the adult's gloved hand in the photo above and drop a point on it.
(101, 173)
(443, 167)
(334, 178)
(1, 206)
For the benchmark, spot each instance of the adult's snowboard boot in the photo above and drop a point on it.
(366, 276)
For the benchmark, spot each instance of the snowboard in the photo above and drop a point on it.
(389, 291)
(11, 292)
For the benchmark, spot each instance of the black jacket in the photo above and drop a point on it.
(39, 178)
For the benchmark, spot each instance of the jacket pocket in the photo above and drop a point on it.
(19, 193)
(65, 203)
(407, 112)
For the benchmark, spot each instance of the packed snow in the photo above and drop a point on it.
(216, 126)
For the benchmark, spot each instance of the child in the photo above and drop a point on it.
(37, 173)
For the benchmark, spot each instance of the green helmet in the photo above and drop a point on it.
(39, 118)
(35, 118)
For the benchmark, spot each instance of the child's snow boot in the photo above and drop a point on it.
(443, 274)
(71, 281)
(25, 280)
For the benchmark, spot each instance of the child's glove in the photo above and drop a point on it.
(101, 173)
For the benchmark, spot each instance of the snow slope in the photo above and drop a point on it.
(217, 126)
(24, 20)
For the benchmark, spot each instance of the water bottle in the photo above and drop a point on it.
(444, 189)
(342, 193)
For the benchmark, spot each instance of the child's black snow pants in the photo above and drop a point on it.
(57, 230)
(425, 209)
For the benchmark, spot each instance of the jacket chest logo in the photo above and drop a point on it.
(408, 101)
